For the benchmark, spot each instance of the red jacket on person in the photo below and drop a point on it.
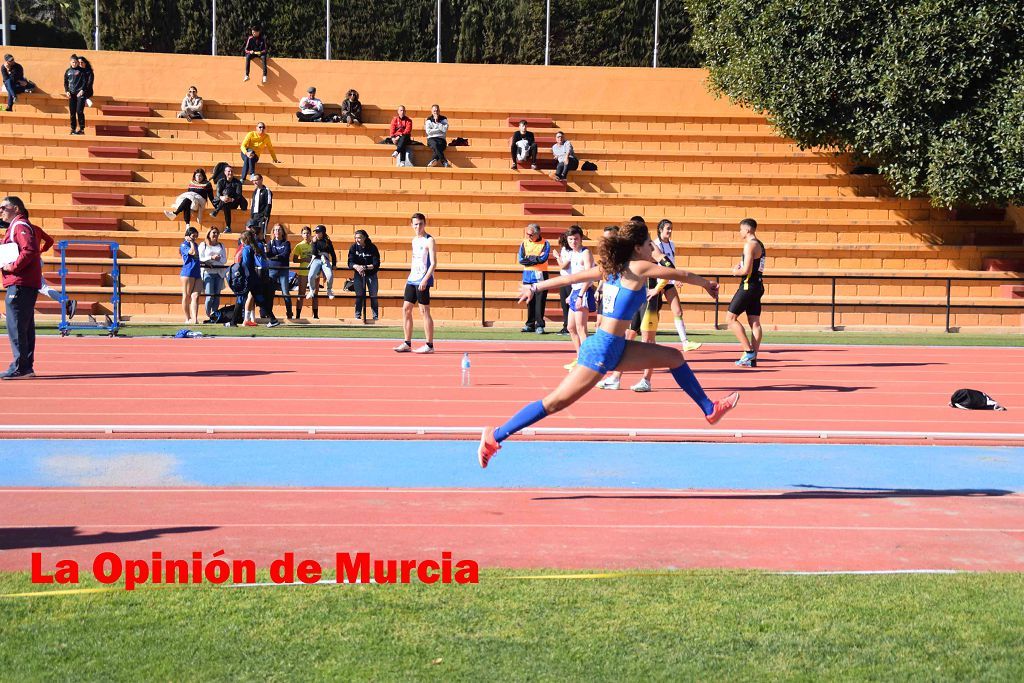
(401, 126)
(27, 269)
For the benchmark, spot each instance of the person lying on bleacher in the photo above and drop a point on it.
(311, 108)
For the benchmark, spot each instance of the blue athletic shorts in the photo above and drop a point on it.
(601, 352)
(578, 303)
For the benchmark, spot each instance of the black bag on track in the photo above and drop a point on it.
(972, 399)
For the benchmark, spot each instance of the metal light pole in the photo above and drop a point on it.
(96, 35)
(213, 30)
(547, 36)
(327, 51)
(438, 31)
(3, 11)
(657, 7)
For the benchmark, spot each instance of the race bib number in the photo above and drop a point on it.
(608, 294)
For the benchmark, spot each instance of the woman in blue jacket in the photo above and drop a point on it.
(279, 253)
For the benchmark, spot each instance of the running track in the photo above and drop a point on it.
(286, 382)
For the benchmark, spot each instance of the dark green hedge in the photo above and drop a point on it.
(931, 90)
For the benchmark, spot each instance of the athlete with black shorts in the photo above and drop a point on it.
(748, 297)
(417, 287)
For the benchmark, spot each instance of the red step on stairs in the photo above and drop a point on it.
(112, 175)
(1012, 291)
(122, 131)
(1003, 265)
(126, 110)
(545, 185)
(99, 199)
(45, 304)
(88, 250)
(91, 223)
(115, 152)
(79, 278)
(547, 209)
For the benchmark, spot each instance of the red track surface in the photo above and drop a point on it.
(99, 381)
(515, 528)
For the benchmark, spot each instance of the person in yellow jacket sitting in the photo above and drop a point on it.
(254, 144)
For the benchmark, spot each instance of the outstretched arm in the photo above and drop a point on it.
(646, 269)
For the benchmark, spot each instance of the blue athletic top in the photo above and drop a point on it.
(621, 303)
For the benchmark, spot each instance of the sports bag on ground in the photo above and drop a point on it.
(972, 399)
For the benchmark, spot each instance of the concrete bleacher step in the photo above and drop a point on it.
(531, 121)
(126, 110)
(114, 152)
(546, 185)
(99, 198)
(49, 306)
(995, 239)
(80, 278)
(547, 209)
(122, 131)
(112, 175)
(91, 223)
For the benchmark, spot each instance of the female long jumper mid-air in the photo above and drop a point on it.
(625, 263)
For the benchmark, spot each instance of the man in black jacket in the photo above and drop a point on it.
(524, 147)
(229, 196)
(262, 203)
(75, 82)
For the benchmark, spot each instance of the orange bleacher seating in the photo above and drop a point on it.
(122, 131)
(546, 185)
(91, 223)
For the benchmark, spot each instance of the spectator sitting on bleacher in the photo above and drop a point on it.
(311, 108)
(14, 80)
(194, 198)
(262, 204)
(401, 136)
(191, 105)
(75, 80)
(565, 157)
(90, 78)
(252, 145)
(436, 126)
(256, 47)
(352, 108)
(524, 147)
(229, 196)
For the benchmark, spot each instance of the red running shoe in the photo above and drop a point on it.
(722, 406)
(488, 447)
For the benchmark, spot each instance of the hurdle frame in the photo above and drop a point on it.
(66, 326)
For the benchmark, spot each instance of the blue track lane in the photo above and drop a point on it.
(526, 464)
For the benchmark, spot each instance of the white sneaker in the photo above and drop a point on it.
(691, 345)
(245, 78)
(424, 349)
(309, 293)
(403, 348)
(610, 383)
(170, 214)
(395, 154)
(330, 293)
(88, 102)
(432, 163)
(641, 387)
(264, 79)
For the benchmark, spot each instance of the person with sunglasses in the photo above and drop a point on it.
(252, 146)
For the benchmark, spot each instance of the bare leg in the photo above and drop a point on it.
(755, 331)
(737, 328)
(649, 338)
(428, 323)
(407, 320)
(186, 293)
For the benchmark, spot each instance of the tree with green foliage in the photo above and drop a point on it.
(930, 90)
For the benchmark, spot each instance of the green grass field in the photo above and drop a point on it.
(691, 625)
(503, 333)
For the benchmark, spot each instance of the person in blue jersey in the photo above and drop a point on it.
(625, 263)
(748, 297)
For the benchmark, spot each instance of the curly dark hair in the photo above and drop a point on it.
(617, 250)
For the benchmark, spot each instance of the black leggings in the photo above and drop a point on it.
(250, 57)
(186, 208)
(563, 296)
(77, 105)
(532, 154)
(363, 283)
(438, 145)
